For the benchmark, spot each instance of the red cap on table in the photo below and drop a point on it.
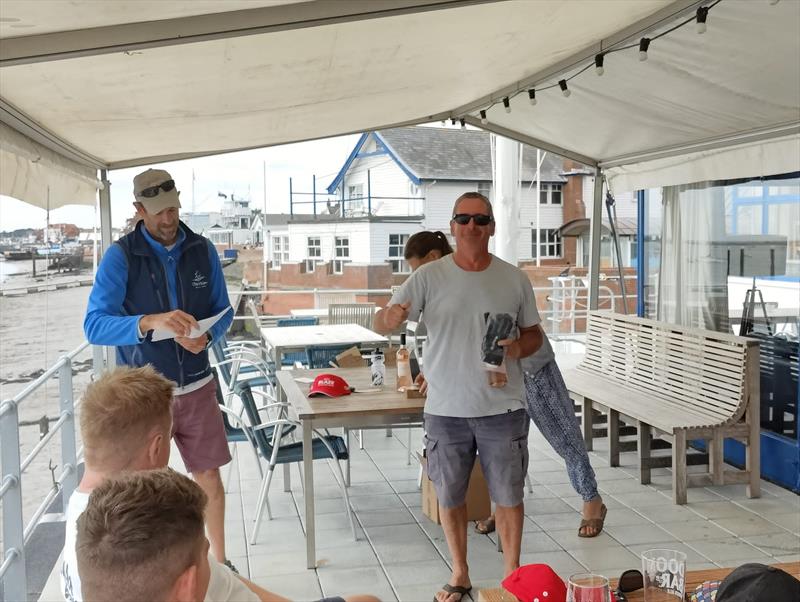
(329, 385)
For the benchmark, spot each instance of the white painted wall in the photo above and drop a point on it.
(379, 237)
(357, 232)
(387, 179)
(551, 217)
(439, 199)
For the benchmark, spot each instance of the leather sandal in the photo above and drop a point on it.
(593, 523)
(455, 589)
(485, 526)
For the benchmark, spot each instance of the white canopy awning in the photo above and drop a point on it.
(38, 175)
(124, 83)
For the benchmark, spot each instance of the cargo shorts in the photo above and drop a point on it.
(501, 444)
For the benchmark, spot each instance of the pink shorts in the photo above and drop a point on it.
(198, 430)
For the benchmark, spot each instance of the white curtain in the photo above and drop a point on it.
(692, 287)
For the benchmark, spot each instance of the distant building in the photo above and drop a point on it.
(396, 182)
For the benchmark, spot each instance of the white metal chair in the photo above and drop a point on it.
(351, 313)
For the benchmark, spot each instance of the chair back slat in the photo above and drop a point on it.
(352, 313)
(321, 357)
(263, 444)
(296, 356)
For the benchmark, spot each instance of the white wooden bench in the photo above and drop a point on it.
(676, 383)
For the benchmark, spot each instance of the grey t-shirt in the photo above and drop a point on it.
(543, 356)
(455, 302)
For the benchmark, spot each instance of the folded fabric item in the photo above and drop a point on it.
(752, 582)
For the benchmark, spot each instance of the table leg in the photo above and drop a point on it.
(308, 469)
(347, 462)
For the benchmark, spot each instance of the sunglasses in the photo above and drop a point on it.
(152, 191)
(481, 219)
(629, 581)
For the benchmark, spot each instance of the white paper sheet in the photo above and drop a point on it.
(160, 334)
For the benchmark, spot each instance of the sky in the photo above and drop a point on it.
(239, 173)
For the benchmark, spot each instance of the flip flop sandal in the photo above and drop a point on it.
(485, 526)
(455, 589)
(594, 523)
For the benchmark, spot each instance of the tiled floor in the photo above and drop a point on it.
(401, 555)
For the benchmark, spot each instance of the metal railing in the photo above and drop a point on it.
(565, 303)
(12, 466)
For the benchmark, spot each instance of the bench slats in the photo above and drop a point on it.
(676, 383)
(687, 366)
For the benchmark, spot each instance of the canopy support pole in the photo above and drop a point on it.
(595, 232)
(105, 242)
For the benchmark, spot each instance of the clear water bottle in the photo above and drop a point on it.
(378, 369)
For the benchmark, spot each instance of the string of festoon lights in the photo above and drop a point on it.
(700, 18)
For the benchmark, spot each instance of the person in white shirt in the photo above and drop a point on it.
(125, 422)
(142, 537)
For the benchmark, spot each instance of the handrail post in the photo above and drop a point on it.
(15, 582)
(69, 454)
(98, 361)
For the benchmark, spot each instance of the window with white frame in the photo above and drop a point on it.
(397, 244)
(341, 253)
(355, 193)
(313, 252)
(550, 194)
(280, 251)
(219, 237)
(549, 243)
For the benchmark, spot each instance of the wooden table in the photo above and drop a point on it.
(358, 410)
(693, 579)
(285, 339)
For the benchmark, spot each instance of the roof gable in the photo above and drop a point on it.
(430, 153)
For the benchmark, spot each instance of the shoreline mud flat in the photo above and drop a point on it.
(35, 330)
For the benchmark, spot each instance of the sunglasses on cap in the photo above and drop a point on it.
(152, 191)
(629, 581)
(481, 219)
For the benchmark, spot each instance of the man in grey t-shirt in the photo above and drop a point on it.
(467, 297)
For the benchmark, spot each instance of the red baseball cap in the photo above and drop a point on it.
(329, 385)
(536, 583)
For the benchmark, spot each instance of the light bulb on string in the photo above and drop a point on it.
(452, 121)
(564, 89)
(484, 121)
(702, 14)
(532, 96)
(598, 63)
(644, 44)
(463, 124)
(507, 104)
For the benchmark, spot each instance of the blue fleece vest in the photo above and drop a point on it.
(147, 293)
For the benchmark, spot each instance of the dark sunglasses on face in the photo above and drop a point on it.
(481, 219)
(629, 581)
(152, 191)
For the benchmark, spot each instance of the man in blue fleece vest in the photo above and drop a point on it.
(164, 276)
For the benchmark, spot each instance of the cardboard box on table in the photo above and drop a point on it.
(497, 594)
(479, 505)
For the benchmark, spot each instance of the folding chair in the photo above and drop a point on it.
(269, 441)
